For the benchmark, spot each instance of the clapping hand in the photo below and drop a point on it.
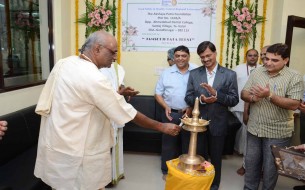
(211, 91)
(260, 92)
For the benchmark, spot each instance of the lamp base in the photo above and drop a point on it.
(190, 163)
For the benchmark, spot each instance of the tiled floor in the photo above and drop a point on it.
(142, 172)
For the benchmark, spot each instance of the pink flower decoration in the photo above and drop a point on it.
(239, 30)
(108, 12)
(234, 23)
(253, 21)
(105, 17)
(97, 16)
(236, 13)
(245, 9)
(238, 25)
(241, 17)
(248, 18)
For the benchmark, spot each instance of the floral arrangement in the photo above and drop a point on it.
(127, 34)
(98, 17)
(242, 23)
(241, 28)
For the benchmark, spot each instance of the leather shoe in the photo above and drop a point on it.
(214, 187)
(300, 187)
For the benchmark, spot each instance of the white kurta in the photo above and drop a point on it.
(242, 76)
(116, 75)
(76, 136)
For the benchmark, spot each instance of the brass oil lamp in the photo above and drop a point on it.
(191, 162)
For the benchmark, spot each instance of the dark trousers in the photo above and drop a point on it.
(259, 157)
(171, 145)
(302, 128)
(209, 146)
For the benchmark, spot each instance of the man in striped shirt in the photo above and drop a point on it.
(273, 91)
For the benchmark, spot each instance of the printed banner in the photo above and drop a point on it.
(158, 25)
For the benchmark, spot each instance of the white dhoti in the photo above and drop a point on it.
(241, 135)
(117, 157)
(116, 75)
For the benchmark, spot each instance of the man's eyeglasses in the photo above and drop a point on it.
(110, 50)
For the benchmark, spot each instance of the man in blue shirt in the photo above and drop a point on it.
(170, 93)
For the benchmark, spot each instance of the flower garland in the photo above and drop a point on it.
(263, 26)
(233, 37)
(119, 31)
(254, 26)
(222, 31)
(246, 45)
(228, 34)
(76, 28)
(98, 17)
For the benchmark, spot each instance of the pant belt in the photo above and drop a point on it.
(176, 111)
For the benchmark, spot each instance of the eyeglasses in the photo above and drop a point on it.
(208, 56)
(110, 50)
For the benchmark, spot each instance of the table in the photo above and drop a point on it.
(196, 180)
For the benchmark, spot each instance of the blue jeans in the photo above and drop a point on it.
(259, 157)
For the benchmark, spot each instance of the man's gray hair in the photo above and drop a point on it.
(94, 38)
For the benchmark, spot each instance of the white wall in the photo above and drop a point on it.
(296, 8)
(140, 67)
(18, 99)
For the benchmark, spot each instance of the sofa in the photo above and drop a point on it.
(18, 150)
(138, 139)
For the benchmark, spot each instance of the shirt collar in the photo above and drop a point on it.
(281, 72)
(174, 68)
(214, 70)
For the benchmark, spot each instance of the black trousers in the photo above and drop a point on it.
(211, 147)
(171, 145)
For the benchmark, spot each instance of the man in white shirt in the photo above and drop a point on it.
(116, 74)
(241, 109)
(76, 106)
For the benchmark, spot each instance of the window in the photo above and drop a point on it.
(25, 56)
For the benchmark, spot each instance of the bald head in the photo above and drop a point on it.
(99, 37)
(101, 48)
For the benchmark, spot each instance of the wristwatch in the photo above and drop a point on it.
(270, 96)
